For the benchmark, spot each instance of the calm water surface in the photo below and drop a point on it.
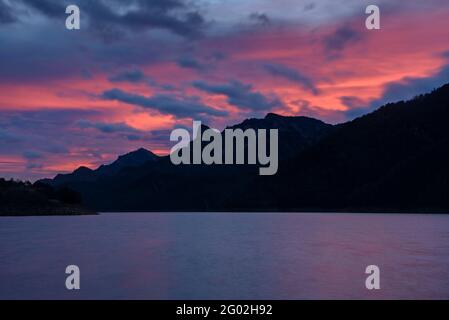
(225, 256)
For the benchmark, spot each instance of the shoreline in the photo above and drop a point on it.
(96, 213)
(46, 212)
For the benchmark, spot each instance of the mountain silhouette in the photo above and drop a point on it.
(84, 174)
(393, 159)
(295, 133)
(151, 185)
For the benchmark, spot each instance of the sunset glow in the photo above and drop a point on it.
(81, 98)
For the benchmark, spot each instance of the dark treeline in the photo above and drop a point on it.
(19, 198)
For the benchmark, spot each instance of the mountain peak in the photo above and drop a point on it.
(273, 116)
(82, 170)
(131, 159)
(140, 153)
(284, 123)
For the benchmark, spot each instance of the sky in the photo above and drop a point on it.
(138, 69)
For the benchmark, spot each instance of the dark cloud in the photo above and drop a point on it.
(32, 166)
(31, 58)
(106, 127)
(166, 87)
(50, 8)
(309, 6)
(133, 76)
(43, 120)
(357, 106)
(291, 75)
(162, 136)
(183, 107)
(352, 102)
(260, 18)
(203, 63)
(218, 56)
(190, 63)
(8, 137)
(240, 95)
(120, 128)
(6, 14)
(58, 54)
(69, 54)
(137, 76)
(35, 130)
(32, 155)
(113, 18)
(133, 137)
(86, 75)
(338, 40)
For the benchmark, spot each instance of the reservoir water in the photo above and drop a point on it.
(225, 256)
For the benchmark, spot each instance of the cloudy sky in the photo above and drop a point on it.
(138, 68)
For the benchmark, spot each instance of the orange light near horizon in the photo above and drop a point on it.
(362, 69)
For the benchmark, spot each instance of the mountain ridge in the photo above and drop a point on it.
(388, 160)
(131, 159)
(314, 129)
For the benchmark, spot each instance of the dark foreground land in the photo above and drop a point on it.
(25, 199)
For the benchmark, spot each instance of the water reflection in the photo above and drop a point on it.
(225, 256)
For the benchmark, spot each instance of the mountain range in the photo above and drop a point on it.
(394, 159)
